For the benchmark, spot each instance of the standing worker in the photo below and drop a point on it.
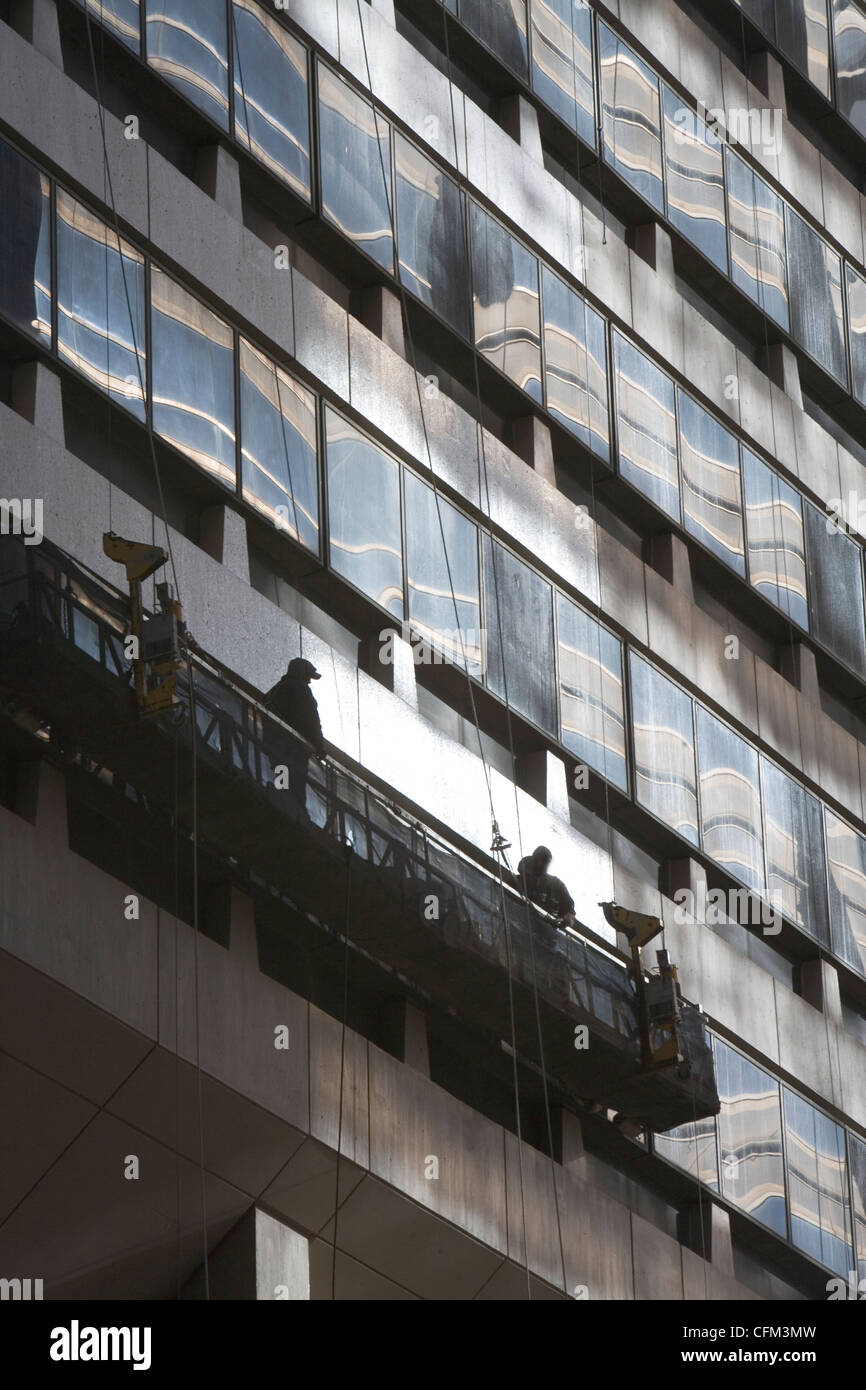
(293, 700)
(543, 888)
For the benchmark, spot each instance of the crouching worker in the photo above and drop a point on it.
(543, 888)
(292, 699)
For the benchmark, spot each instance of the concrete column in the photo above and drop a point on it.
(36, 21)
(819, 983)
(652, 243)
(691, 876)
(36, 394)
(781, 366)
(768, 75)
(797, 664)
(380, 309)
(530, 439)
(520, 118)
(568, 1141)
(389, 659)
(224, 536)
(217, 172)
(405, 1034)
(243, 942)
(545, 776)
(260, 1259)
(40, 797)
(669, 555)
(721, 1248)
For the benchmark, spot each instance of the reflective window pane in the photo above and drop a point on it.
(756, 222)
(857, 1158)
(774, 532)
(270, 79)
(442, 565)
(187, 45)
(590, 692)
(750, 1138)
(121, 17)
(646, 427)
(518, 616)
(25, 265)
(836, 589)
(575, 364)
(278, 447)
(431, 235)
(692, 1147)
(849, 36)
(730, 801)
(857, 325)
(501, 25)
(193, 378)
(366, 544)
(562, 61)
(817, 1184)
(98, 280)
(664, 749)
(632, 121)
(712, 499)
(846, 864)
(793, 835)
(817, 317)
(694, 180)
(505, 302)
(802, 32)
(355, 147)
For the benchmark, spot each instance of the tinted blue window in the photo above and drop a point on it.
(278, 447)
(187, 45)
(270, 79)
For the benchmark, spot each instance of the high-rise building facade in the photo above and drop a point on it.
(503, 362)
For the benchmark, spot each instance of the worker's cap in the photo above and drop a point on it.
(542, 852)
(303, 669)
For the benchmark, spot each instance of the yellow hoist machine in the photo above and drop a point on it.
(157, 646)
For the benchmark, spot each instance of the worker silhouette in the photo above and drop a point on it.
(293, 700)
(543, 888)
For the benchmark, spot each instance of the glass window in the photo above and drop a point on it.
(664, 749)
(575, 364)
(802, 32)
(857, 324)
(187, 45)
(760, 12)
(646, 427)
(442, 565)
(122, 17)
(793, 835)
(756, 222)
(590, 692)
(774, 531)
(712, 499)
(366, 543)
(431, 235)
(25, 266)
(501, 25)
(562, 62)
(750, 1138)
(278, 447)
(98, 281)
(355, 146)
(730, 801)
(270, 77)
(846, 863)
(857, 1156)
(518, 616)
(632, 122)
(817, 1184)
(193, 377)
(817, 316)
(849, 35)
(692, 1147)
(836, 588)
(505, 302)
(694, 180)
